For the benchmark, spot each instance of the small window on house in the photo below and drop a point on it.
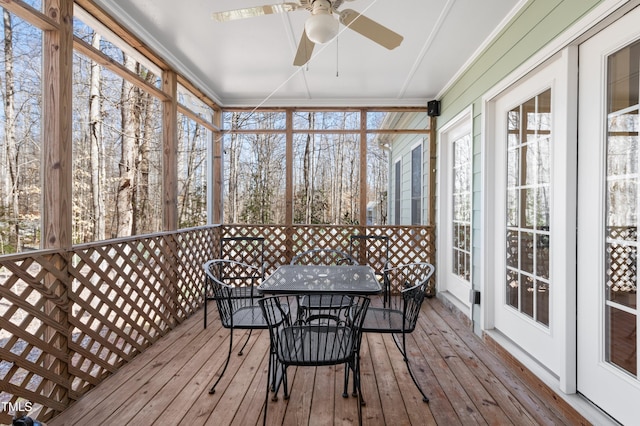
(416, 185)
(396, 194)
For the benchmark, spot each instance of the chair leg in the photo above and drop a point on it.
(345, 393)
(270, 385)
(226, 363)
(356, 377)
(285, 384)
(405, 356)
(245, 343)
(205, 307)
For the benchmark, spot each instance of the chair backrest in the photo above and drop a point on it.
(224, 278)
(331, 336)
(323, 256)
(249, 250)
(372, 250)
(412, 279)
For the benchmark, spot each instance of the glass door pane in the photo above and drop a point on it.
(621, 209)
(528, 208)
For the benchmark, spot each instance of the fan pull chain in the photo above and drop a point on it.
(337, 56)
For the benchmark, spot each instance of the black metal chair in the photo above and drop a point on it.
(237, 309)
(320, 256)
(400, 316)
(373, 250)
(330, 338)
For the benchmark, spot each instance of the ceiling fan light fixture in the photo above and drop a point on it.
(321, 27)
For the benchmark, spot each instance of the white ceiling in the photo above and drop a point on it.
(249, 62)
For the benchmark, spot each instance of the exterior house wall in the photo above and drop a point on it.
(538, 30)
(401, 148)
(535, 25)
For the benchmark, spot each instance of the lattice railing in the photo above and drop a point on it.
(34, 352)
(71, 318)
(406, 243)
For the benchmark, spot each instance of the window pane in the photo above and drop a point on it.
(621, 342)
(398, 120)
(326, 178)
(191, 102)
(193, 140)
(461, 162)
(86, 28)
(332, 120)
(117, 165)
(254, 120)
(20, 136)
(416, 185)
(254, 178)
(528, 189)
(377, 182)
(397, 185)
(621, 246)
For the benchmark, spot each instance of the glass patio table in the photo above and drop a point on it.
(319, 279)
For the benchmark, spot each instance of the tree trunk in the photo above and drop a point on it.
(10, 134)
(145, 113)
(192, 163)
(232, 216)
(124, 200)
(307, 175)
(96, 151)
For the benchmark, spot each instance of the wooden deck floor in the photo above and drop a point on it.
(467, 384)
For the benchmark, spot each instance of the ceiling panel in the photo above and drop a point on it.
(250, 62)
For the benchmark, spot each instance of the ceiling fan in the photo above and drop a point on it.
(321, 27)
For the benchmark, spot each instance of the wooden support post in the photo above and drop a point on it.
(170, 151)
(362, 219)
(57, 131)
(57, 57)
(217, 168)
(289, 193)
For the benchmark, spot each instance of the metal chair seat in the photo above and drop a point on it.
(316, 345)
(249, 317)
(384, 320)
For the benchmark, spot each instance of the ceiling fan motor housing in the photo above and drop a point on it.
(321, 27)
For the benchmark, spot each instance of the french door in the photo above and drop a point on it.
(609, 201)
(530, 211)
(456, 154)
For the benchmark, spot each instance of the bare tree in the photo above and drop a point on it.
(233, 153)
(144, 112)
(11, 145)
(96, 149)
(128, 156)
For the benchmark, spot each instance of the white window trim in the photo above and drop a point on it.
(420, 144)
(392, 202)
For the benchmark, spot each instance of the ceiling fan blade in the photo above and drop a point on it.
(370, 29)
(250, 12)
(305, 49)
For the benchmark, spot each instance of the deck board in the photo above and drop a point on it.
(466, 382)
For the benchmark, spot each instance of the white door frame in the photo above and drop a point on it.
(450, 286)
(599, 380)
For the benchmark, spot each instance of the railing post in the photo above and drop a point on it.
(288, 243)
(58, 307)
